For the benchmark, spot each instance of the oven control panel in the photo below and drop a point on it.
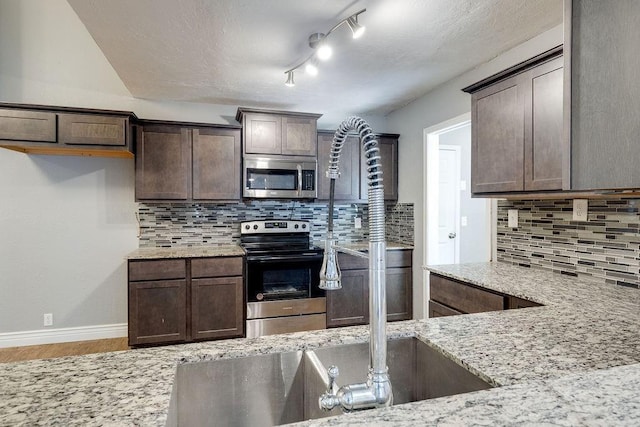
(274, 226)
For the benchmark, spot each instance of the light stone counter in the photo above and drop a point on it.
(187, 252)
(561, 364)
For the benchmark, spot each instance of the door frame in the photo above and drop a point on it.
(431, 143)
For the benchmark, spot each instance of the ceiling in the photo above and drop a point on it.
(235, 52)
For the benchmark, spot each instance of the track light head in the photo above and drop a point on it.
(356, 29)
(290, 81)
(311, 67)
(318, 43)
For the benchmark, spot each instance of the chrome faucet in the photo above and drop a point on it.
(376, 391)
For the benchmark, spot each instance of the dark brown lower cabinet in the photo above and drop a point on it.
(157, 312)
(182, 300)
(216, 308)
(349, 306)
(450, 297)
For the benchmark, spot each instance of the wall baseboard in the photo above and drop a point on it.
(52, 336)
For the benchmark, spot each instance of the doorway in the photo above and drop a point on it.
(458, 228)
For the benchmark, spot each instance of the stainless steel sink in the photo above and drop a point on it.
(283, 388)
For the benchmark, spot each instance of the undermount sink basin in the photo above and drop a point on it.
(283, 388)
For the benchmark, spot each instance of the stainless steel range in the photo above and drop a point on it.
(282, 278)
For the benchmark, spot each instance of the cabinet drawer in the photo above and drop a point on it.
(21, 125)
(352, 262)
(216, 267)
(398, 258)
(395, 258)
(462, 297)
(157, 269)
(438, 310)
(86, 129)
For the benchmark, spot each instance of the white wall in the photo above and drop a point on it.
(443, 103)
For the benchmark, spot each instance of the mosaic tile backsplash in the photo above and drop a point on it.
(169, 225)
(607, 246)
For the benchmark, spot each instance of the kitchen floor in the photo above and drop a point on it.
(17, 354)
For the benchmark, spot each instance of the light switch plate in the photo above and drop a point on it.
(580, 209)
(464, 221)
(513, 218)
(463, 185)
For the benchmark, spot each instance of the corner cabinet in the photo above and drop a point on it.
(183, 163)
(183, 300)
(37, 129)
(449, 297)
(351, 186)
(517, 128)
(278, 132)
(349, 306)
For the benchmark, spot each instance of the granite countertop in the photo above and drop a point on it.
(186, 252)
(573, 361)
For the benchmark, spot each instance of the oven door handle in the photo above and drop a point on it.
(263, 259)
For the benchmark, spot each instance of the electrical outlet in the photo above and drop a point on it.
(357, 222)
(513, 218)
(48, 319)
(580, 209)
(464, 221)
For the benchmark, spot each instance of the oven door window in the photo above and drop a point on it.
(282, 280)
(272, 179)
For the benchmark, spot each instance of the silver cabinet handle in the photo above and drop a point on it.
(452, 235)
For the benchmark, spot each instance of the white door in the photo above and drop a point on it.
(448, 204)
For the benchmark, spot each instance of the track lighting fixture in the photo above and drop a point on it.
(321, 49)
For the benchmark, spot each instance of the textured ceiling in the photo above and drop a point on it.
(236, 51)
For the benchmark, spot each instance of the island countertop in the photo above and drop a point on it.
(565, 362)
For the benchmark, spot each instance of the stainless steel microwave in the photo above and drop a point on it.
(276, 177)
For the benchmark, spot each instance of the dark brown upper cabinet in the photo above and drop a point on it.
(352, 184)
(180, 163)
(602, 91)
(37, 129)
(278, 132)
(388, 145)
(348, 184)
(517, 128)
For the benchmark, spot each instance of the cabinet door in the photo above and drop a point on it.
(216, 164)
(262, 134)
(389, 157)
(89, 129)
(350, 305)
(299, 136)
(22, 125)
(163, 163)
(543, 127)
(157, 311)
(497, 137)
(348, 184)
(603, 93)
(217, 308)
(399, 293)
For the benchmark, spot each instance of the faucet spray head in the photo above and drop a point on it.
(330, 272)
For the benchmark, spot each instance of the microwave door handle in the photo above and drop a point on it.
(299, 167)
